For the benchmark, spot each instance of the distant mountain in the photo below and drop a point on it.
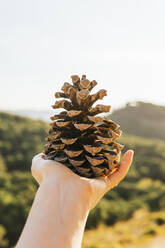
(141, 119)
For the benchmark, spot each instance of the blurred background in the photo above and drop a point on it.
(120, 44)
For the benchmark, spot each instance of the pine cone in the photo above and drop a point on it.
(79, 139)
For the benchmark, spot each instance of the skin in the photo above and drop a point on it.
(62, 203)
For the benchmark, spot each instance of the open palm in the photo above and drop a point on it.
(93, 189)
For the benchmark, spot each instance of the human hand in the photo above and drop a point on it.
(90, 191)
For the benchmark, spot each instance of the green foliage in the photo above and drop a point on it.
(2, 165)
(17, 191)
(3, 241)
(20, 139)
(95, 217)
(142, 230)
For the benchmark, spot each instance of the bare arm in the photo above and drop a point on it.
(62, 204)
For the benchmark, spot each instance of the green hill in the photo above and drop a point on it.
(142, 119)
(21, 138)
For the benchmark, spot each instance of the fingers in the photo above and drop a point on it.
(37, 158)
(37, 161)
(37, 164)
(43, 167)
(121, 172)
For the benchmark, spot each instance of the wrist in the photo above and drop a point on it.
(58, 215)
(76, 191)
(71, 208)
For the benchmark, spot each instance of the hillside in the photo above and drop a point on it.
(143, 230)
(21, 138)
(142, 119)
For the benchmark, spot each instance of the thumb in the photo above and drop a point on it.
(121, 172)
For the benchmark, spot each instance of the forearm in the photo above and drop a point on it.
(57, 217)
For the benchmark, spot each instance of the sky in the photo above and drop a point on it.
(119, 43)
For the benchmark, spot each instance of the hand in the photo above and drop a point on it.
(62, 203)
(91, 190)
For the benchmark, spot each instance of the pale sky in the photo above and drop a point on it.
(119, 43)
